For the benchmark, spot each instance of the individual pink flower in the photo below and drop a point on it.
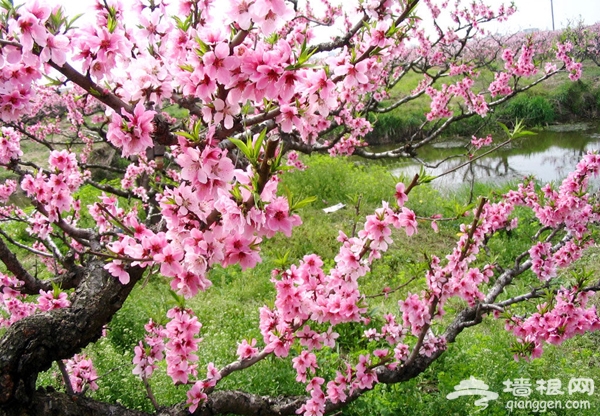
(223, 112)
(30, 29)
(354, 74)
(52, 300)
(239, 13)
(132, 133)
(56, 49)
(278, 217)
(289, 119)
(218, 63)
(170, 259)
(406, 219)
(400, 194)
(246, 350)
(117, 269)
(195, 396)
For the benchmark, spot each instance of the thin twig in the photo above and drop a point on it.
(150, 394)
(66, 378)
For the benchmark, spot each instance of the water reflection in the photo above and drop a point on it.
(549, 156)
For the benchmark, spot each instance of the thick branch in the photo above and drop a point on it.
(16, 268)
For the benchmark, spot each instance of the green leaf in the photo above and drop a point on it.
(186, 135)
(282, 261)
(376, 51)
(391, 31)
(424, 177)
(187, 67)
(202, 47)
(506, 130)
(179, 300)
(111, 24)
(524, 133)
(194, 136)
(237, 193)
(259, 142)
(56, 290)
(243, 148)
(95, 92)
(301, 204)
(70, 23)
(277, 163)
(184, 25)
(53, 81)
(8, 6)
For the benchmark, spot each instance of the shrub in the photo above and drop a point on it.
(576, 100)
(534, 110)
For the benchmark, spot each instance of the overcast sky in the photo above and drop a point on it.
(531, 13)
(538, 13)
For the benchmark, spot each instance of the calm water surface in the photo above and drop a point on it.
(549, 156)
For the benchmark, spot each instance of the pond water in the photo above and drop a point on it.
(549, 156)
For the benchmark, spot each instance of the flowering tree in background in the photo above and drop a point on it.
(254, 83)
(586, 40)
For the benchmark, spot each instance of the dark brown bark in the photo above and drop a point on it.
(49, 402)
(52, 403)
(32, 285)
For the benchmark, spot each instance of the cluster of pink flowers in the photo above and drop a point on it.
(500, 85)
(567, 317)
(562, 53)
(479, 143)
(415, 313)
(134, 172)
(6, 190)
(52, 299)
(13, 301)
(148, 353)
(132, 134)
(182, 333)
(9, 145)
(304, 363)
(177, 343)
(543, 264)
(294, 161)
(16, 306)
(440, 99)
(457, 278)
(354, 378)
(54, 191)
(185, 253)
(99, 48)
(305, 293)
(524, 66)
(82, 373)
(196, 394)
(570, 205)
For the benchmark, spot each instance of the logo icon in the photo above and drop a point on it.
(474, 387)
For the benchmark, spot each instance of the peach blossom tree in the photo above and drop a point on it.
(253, 82)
